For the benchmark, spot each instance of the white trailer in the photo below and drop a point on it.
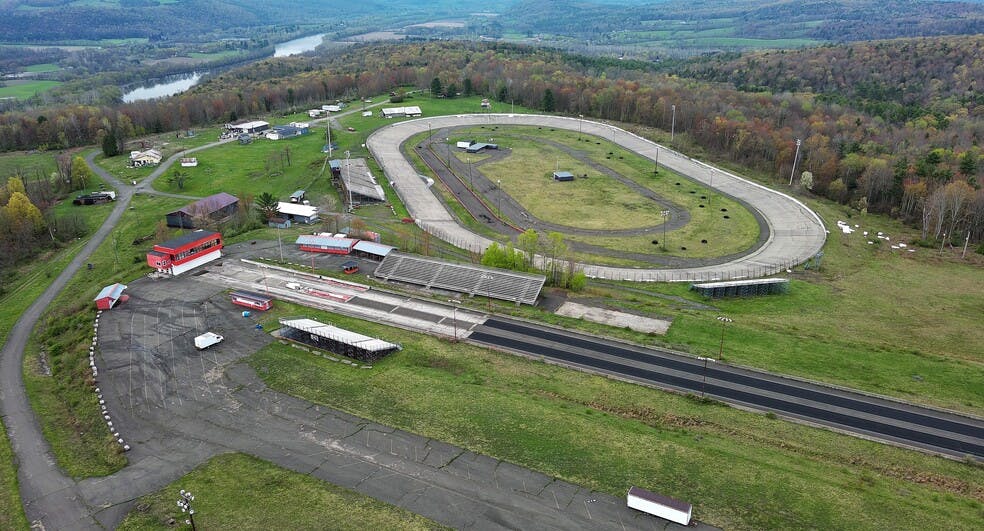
(206, 340)
(659, 505)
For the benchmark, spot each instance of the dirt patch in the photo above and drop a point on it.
(646, 325)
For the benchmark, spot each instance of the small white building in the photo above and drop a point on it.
(189, 162)
(400, 112)
(314, 113)
(298, 212)
(331, 108)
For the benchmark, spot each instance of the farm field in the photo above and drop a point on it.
(27, 165)
(236, 491)
(579, 427)
(22, 89)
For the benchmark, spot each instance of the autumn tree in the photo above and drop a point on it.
(81, 174)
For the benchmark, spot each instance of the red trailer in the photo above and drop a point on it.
(252, 300)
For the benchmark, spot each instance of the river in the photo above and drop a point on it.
(180, 83)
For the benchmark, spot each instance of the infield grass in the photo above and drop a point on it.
(742, 470)
(237, 491)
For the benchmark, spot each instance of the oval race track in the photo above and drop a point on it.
(796, 233)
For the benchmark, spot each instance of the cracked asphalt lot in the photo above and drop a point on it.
(178, 406)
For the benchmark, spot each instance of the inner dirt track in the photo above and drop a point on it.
(795, 233)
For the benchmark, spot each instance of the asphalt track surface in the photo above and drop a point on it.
(795, 233)
(868, 416)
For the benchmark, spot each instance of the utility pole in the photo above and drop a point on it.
(966, 241)
(796, 156)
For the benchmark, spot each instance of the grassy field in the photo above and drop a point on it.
(11, 511)
(25, 88)
(26, 164)
(600, 202)
(236, 491)
(42, 67)
(742, 470)
(66, 407)
(167, 144)
(278, 167)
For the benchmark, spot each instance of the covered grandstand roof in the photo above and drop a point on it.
(339, 334)
(377, 249)
(463, 278)
(357, 178)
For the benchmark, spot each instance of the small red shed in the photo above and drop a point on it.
(110, 295)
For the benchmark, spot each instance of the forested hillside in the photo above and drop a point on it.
(41, 21)
(820, 20)
(898, 80)
(925, 170)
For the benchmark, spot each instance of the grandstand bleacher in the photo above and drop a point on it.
(502, 284)
(337, 340)
(742, 288)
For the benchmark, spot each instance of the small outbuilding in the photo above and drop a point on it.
(563, 176)
(214, 207)
(298, 212)
(476, 147)
(278, 223)
(325, 244)
(189, 162)
(110, 295)
(372, 250)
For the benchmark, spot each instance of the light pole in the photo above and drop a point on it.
(447, 142)
(471, 183)
(796, 156)
(580, 119)
(724, 320)
(454, 317)
(666, 216)
(672, 122)
(703, 381)
(184, 502)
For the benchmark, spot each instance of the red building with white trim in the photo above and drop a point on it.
(186, 252)
(251, 300)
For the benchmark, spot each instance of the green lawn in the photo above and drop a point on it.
(600, 202)
(741, 470)
(11, 511)
(25, 88)
(236, 491)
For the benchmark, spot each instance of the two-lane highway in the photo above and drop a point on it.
(857, 413)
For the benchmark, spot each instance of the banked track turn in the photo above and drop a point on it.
(796, 233)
